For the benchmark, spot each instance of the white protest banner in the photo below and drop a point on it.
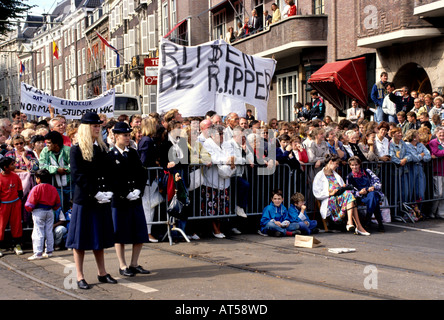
(35, 102)
(212, 76)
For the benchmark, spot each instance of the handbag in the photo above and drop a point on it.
(175, 207)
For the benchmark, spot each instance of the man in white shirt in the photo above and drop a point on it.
(232, 122)
(389, 107)
(355, 112)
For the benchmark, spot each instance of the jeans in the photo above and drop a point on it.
(307, 229)
(60, 233)
(272, 227)
(417, 181)
(65, 197)
(379, 114)
(242, 191)
(43, 222)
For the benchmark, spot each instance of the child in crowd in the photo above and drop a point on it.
(42, 200)
(274, 220)
(11, 193)
(296, 213)
(61, 225)
(281, 151)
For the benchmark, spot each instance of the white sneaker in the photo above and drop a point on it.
(219, 235)
(236, 231)
(18, 250)
(47, 255)
(259, 232)
(1, 254)
(240, 212)
(35, 257)
(195, 237)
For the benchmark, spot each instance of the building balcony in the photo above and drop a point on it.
(287, 37)
(430, 9)
(383, 24)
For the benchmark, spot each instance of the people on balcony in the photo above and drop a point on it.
(276, 13)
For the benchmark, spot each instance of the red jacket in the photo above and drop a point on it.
(43, 196)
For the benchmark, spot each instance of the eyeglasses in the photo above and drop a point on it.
(18, 143)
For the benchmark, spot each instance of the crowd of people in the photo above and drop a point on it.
(82, 168)
(257, 23)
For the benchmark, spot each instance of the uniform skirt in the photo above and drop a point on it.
(130, 224)
(91, 227)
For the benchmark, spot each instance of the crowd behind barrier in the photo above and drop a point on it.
(255, 158)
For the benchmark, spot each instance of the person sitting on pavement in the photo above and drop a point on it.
(297, 213)
(275, 220)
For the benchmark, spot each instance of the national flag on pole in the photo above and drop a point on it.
(106, 43)
(55, 50)
(175, 27)
(22, 68)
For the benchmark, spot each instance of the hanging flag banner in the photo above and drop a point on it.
(22, 68)
(212, 76)
(106, 43)
(55, 50)
(36, 102)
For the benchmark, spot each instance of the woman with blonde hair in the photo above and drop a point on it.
(91, 226)
(148, 154)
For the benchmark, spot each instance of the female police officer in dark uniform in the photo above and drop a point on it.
(91, 226)
(129, 178)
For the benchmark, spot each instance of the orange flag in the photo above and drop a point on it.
(55, 50)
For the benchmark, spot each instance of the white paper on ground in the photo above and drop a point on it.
(341, 250)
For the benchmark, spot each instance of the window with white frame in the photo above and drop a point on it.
(152, 41)
(144, 36)
(39, 83)
(60, 76)
(238, 14)
(43, 83)
(318, 7)
(132, 42)
(173, 12)
(79, 62)
(219, 25)
(56, 82)
(48, 79)
(84, 61)
(85, 92)
(287, 95)
(165, 18)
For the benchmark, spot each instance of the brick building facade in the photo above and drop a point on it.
(402, 37)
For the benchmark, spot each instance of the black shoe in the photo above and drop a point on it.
(138, 269)
(106, 279)
(126, 272)
(82, 284)
(381, 228)
(278, 234)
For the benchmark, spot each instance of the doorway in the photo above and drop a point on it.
(414, 77)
